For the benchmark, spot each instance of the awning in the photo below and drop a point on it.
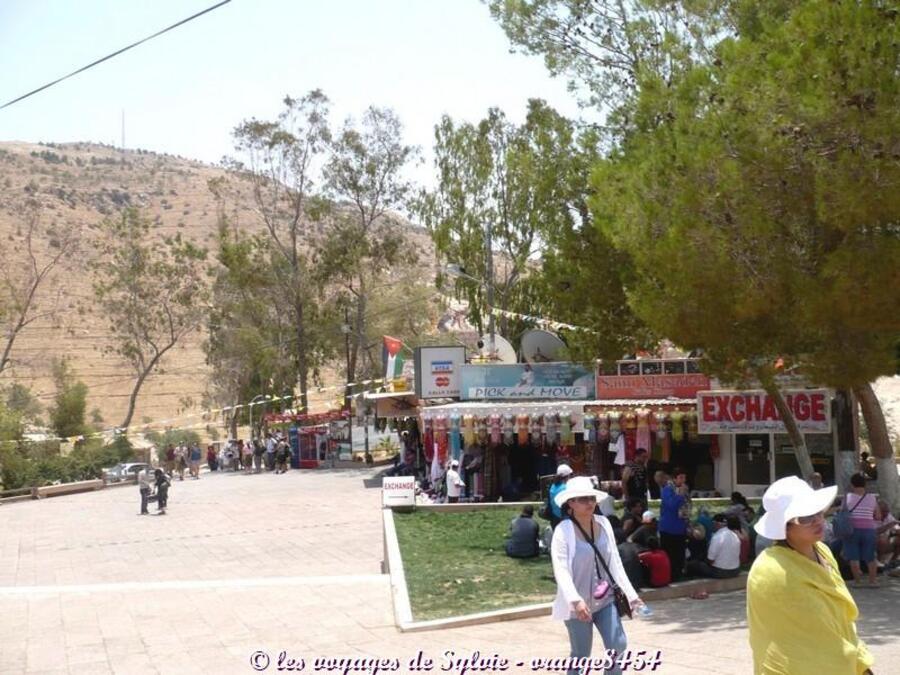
(686, 404)
(394, 403)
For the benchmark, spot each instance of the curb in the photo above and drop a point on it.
(393, 565)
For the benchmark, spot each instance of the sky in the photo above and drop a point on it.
(184, 92)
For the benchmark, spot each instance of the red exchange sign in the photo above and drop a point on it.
(754, 411)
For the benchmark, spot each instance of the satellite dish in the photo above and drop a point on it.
(503, 352)
(541, 346)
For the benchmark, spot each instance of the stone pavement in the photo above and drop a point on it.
(271, 564)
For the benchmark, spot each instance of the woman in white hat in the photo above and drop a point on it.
(585, 595)
(802, 618)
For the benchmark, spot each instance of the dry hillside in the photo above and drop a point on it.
(80, 184)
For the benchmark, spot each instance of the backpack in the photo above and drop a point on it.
(842, 524)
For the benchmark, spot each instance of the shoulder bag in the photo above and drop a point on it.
(842, 524)
(623, 605)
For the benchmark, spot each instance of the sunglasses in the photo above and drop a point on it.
(808, 520)
(584, 500)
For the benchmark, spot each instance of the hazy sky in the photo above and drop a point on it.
(183, 92)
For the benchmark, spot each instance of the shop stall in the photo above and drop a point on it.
(314, 438)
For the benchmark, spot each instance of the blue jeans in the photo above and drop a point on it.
(581, 635)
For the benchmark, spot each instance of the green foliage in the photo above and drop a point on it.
(152, 289)
(21, 400)
(775, 231)
(529, 185)
(173, 437)
(67, 412)
(364, 246)
(29, 465)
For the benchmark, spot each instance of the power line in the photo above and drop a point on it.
(116, 53)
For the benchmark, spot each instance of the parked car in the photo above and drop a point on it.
(127, 471)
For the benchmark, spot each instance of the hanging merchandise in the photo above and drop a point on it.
(495, 429)
(661, 428)
(523, 425)
(455, 439)
(468, 431)
(509, 430)
(692, 425)
(667, 439)
(566, 435)
(654, 423)
(537, 429)
(551, 428)
(618, 449)
(615, 426)
(677, 426)
(441, 439)
(481, 430)
(629, 425)
(603, 427)
(428, 439)
(643, 430)
(590, 429)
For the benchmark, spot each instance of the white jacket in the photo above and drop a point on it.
(562, 553)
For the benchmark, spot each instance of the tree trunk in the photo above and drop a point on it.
(132, 400)
(880, 442)
(302, 361)
(801, 452)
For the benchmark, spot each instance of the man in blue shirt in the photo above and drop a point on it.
(672, 527)
(563, 472)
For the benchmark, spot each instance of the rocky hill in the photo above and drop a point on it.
(78, 185)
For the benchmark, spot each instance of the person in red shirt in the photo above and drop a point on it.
(657, 565)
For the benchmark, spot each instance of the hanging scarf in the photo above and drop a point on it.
(455, 440)
(468, 431)
(566, 435)
(481, 430)
(428, 440)
(590, 429)
(615, 427)
(522, 429)
(677, 426)
(537, 429)
(495, 429)
(603, 427)
(509, 434)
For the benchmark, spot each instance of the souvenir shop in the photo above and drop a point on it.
(503, 447)
(314, 438)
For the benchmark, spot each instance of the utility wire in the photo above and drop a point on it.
(116, 53)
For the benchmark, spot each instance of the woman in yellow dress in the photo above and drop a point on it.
(802, 618)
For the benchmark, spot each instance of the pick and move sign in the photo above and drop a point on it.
(748, 412)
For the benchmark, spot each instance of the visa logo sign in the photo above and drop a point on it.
(441, 367)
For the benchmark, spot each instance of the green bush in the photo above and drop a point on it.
(29, 466)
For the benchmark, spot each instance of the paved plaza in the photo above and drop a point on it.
(260, 565)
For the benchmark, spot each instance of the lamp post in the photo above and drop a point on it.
(345, 329)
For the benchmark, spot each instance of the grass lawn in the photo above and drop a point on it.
(455, 564)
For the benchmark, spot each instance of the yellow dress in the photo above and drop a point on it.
(802, 618)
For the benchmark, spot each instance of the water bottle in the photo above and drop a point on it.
(644, 611)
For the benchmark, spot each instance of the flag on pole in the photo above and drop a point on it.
(393, 358)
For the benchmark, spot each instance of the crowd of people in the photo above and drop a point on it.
(271, 453)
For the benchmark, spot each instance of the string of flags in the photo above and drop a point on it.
(209, 412)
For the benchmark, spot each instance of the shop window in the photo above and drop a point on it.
(674, 367)
(821, 453)
(651, 367)
(693, 366)
(752, 459)
(630, 368)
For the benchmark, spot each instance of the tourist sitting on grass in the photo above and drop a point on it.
(523, 542)
(631, 519)
(723, 559)
(641, 536)
(657, 568)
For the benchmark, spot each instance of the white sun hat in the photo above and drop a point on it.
(580, 486)
(789, 498)
(563, 470)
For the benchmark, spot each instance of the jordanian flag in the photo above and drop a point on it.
(392, 355)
